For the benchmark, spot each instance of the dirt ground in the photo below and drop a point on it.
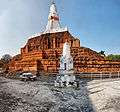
(42, 96)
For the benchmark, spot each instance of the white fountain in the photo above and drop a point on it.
(66, 72)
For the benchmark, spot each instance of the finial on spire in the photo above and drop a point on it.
(53, 1)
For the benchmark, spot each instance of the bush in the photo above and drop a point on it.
(113, 57)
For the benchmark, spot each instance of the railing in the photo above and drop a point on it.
(100, 75)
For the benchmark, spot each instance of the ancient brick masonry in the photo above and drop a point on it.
(42, 53)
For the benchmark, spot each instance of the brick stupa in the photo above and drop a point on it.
(42, 51)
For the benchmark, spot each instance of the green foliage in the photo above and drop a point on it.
(1, 64)
(6, 58)
(113, 57)
(102, 53)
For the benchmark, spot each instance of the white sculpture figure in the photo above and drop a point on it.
(66, 73)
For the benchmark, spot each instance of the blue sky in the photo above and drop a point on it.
(95, 22)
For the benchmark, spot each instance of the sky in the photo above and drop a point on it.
(95, 22)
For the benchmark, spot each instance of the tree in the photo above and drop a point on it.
(1, 64)
(102, 53)
(113, 57)
(6, 58)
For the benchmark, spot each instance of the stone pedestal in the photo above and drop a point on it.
(65, 80)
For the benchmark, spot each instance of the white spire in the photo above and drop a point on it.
(53, 24)
(66, 50)
(66, 60)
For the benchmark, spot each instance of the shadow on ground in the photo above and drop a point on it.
(71, 99)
